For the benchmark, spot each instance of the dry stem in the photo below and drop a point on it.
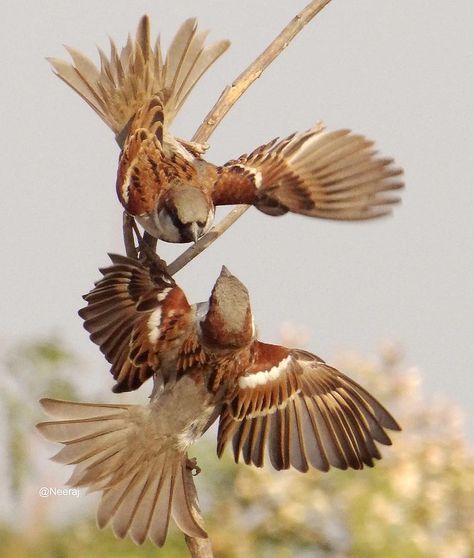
(201, 548)
(198, 548)
(227, 99)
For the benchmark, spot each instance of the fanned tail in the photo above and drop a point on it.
(126, 81)
(114, 451)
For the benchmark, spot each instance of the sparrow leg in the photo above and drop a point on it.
(192, 465)
(196, 149)
(147, 247)
(129, 241)
(147, 251)
(150, 241)
(146, 244)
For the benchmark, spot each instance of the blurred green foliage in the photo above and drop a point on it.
(82, 540)
(418, 502)
(29, 370)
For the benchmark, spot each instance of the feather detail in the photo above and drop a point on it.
(236, 183)
(331, 175)
(134, 313)
(145, 171)
(304, 412)
(139, 176)
(191, 355)
(127, 80)
(115, 451)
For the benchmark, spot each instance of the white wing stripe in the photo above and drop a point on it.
(153, 323)
(263, 377)
(163, 294)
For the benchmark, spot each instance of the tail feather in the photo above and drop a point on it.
(80, 429)
(123, 515)
(120, 503)
(72, 454)
(114, 450)
(143, 511)
(56, 408)
(126, 81)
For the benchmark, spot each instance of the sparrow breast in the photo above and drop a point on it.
(181, 413)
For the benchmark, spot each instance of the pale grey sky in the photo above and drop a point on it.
(401, 72)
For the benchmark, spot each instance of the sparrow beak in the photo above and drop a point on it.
(194, 231)
(225, 272)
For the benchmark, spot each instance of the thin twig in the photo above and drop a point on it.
(198, 548)
(231, 94)
(129, 241)
(228, 98)
(201, 548)
(207, 239)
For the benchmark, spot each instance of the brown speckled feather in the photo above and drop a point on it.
(139, 180)
(144, 171)
(134, 314)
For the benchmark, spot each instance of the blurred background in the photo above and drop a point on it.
(418, 502)
(398, 291)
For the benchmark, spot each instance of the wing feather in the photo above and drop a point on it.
(302, 412)
(331, 175)
(134, 313)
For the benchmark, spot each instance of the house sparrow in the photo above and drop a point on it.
(206, 364)
(165, 183)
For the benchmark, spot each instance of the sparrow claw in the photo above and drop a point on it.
(196, 149)
(148, 255)
(192, 465)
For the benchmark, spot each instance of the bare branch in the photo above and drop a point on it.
(201, 548)
(207, 239)
(128, 223)
(198, 548)
(233, 93)
(228, 98)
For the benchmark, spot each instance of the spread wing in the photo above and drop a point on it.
(304, 413)
(331, 175)
(135, 313)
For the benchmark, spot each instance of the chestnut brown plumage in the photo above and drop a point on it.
(206, 364)
(164, 181)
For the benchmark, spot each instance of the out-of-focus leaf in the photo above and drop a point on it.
(418, 501)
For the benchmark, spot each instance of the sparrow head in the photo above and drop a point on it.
(229, 321)
(184, 214)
